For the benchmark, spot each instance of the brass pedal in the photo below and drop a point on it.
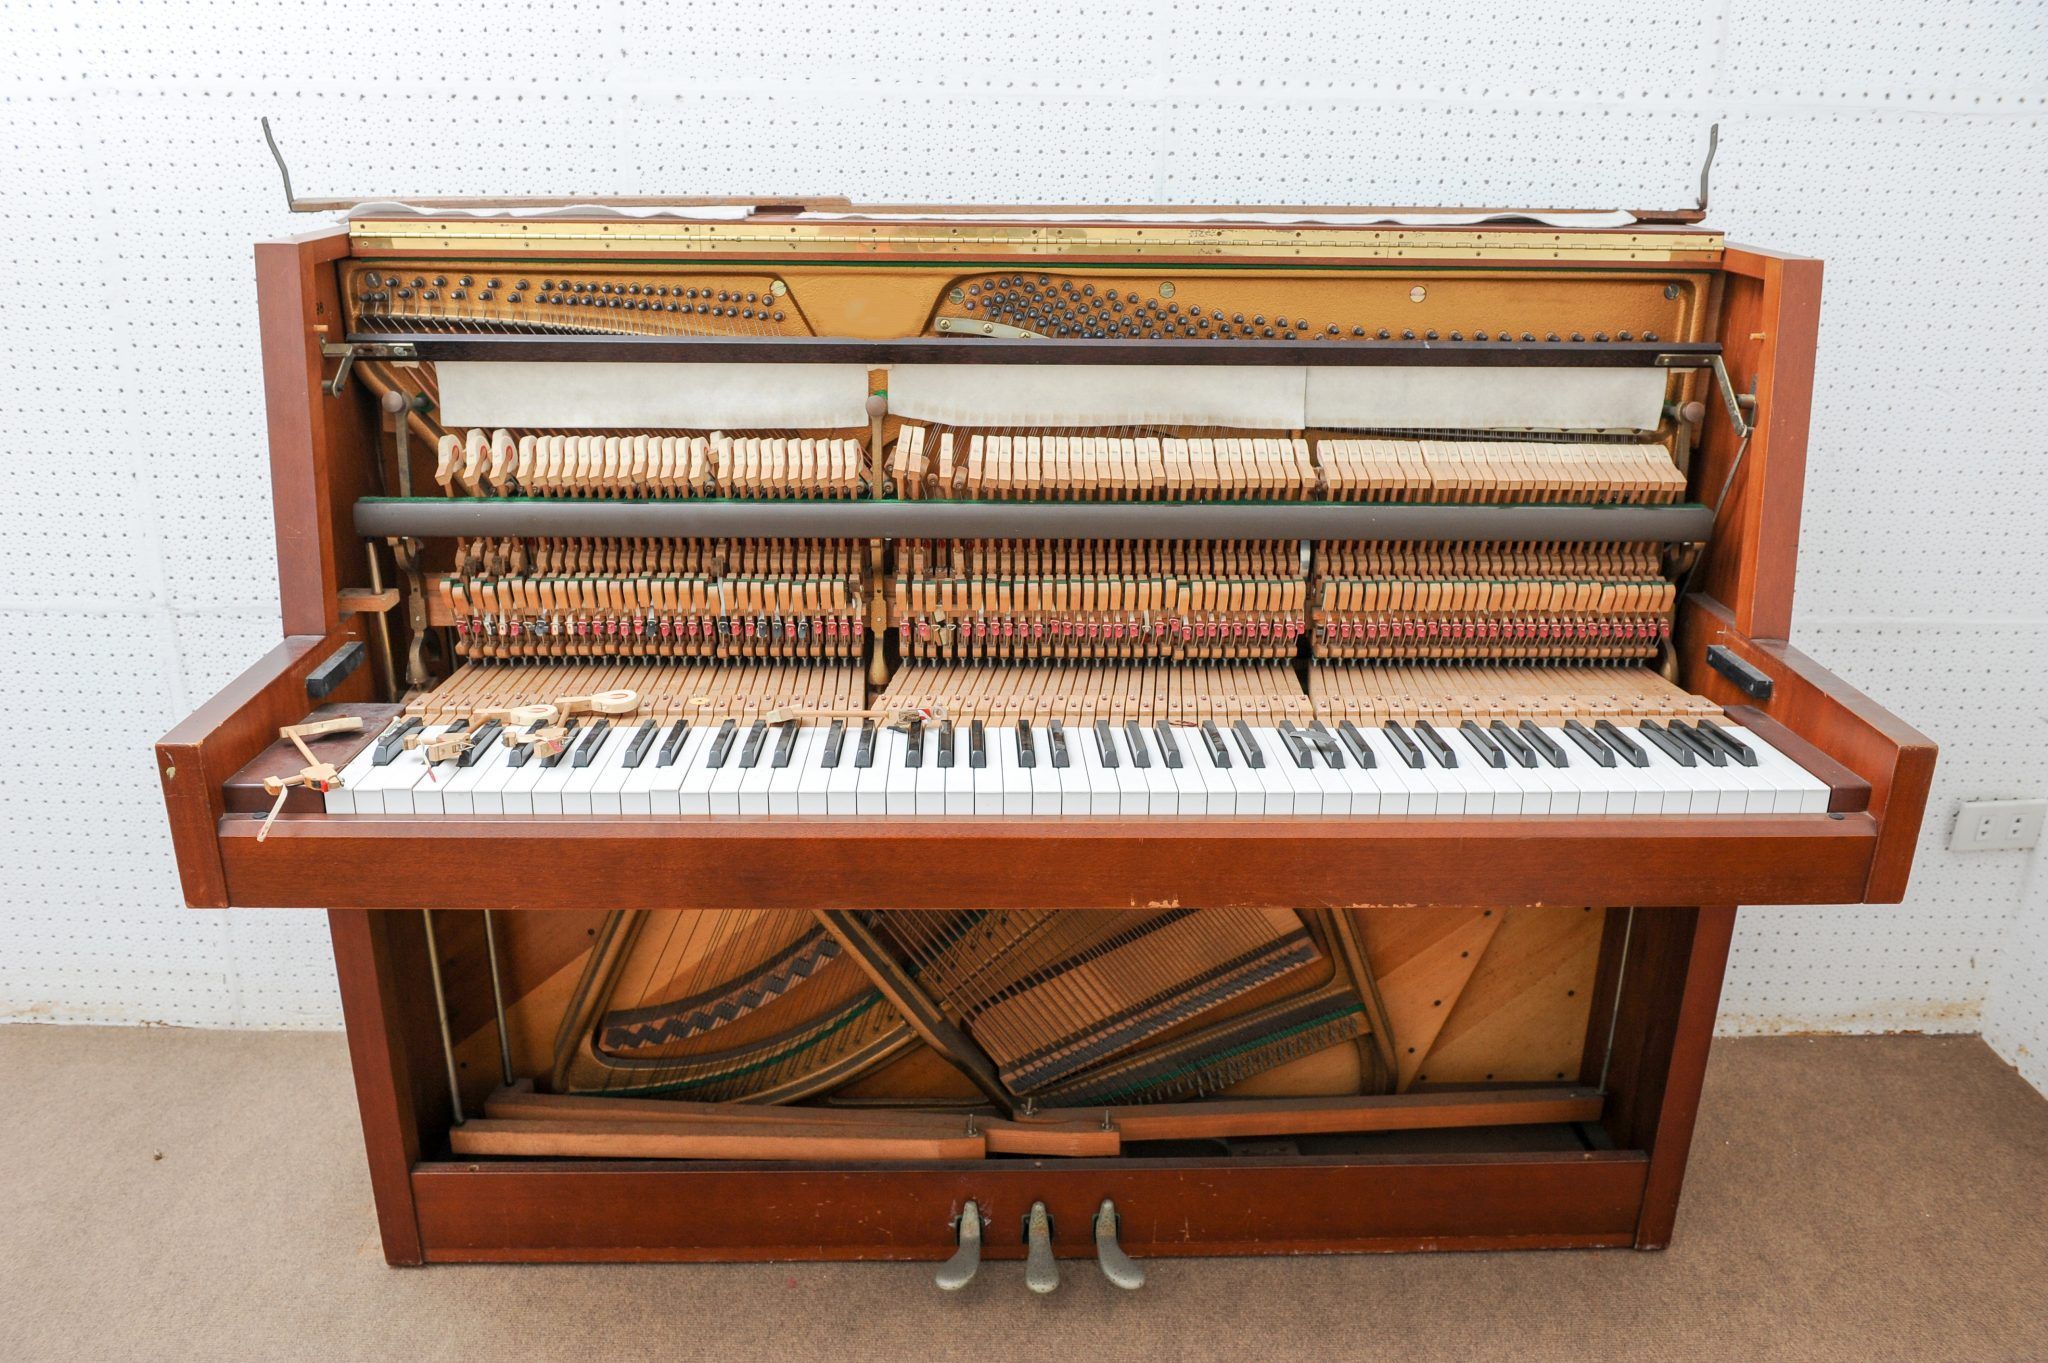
(959, 1270)
(1120, 1268)
(1041, 1270)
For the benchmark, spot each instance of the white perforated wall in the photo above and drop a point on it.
(1902, 141)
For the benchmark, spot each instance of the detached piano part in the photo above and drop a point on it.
(1220, 733)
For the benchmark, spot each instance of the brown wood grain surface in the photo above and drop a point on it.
(243, 792)
(601, 1212)
(1769, 329)
(314, 439)
(1811, 702)
(195, 759)
(393, 862)
(370, 985)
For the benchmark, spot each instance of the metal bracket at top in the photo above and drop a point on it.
(348, 352)
(291, 199)
(1733, 401)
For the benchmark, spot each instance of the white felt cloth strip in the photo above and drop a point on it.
(1259, 397)
(1479, 398)
(621, 396)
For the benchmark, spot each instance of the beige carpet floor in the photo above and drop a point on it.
(170, 1194)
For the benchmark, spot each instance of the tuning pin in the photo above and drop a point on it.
(1041, 1270)
(959, 1270)
(1117, 1266)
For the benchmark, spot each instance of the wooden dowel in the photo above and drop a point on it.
(689, 1140)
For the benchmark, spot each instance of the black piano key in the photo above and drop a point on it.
(1325, 743)
(1403, 744)
(1027, 746)
(913, 745)
(1590, 741)
(1219, 756)
(1296, 745)
(1433, 742)
(1543, 743)
(1355, 741)
(568, 746)
(643, 739)
(392, 742)
(1734, 746)
(945, 743)
(1134, 739)
(1625, 747)
(1254, 755)
(864, 751)
(1489, 751)
(1105, 744)
(1512, 741)
(835, 744)
(1669, 746)
(593, 739)
(977, 744)
(522, 753)
(750, 751)
(479, 744)
(1169, 746)
(672, 746)
(1059, 745)
(1698, 742)
(785, 744)
(721, 744)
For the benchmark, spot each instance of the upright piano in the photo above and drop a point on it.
(871, 732)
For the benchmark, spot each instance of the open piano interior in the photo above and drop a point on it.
(1063, 670)
(869, 691)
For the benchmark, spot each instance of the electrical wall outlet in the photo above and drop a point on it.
(1997, 825)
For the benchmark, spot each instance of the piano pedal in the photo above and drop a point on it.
(959, 1270)
(1041, 1270)
(1120, 1268)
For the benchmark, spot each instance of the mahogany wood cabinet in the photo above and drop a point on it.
(1666, 887)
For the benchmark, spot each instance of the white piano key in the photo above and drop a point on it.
(722, 792)
(1097, 787)
(928, 791)
(1304, 796)
(842, 779)
(693, 791)
(459, 795)
(754, 783)
(960, 780)
(1191, 792)
(1796, 790)
(578, 791)
(899, 780)
(1045, 781)
(1162, 792)
(786, 782)
(1338, 786)
(341, 798)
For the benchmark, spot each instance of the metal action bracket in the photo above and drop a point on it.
(348, 352)
(1736, 403)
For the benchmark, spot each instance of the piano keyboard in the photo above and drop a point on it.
(865, 769)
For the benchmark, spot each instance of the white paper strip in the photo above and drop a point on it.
(690, 396)
(1258, 396)
(1478, 398)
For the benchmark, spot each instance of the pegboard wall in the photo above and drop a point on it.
(1901, 141)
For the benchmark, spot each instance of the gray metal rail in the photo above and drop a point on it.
(433, 517)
